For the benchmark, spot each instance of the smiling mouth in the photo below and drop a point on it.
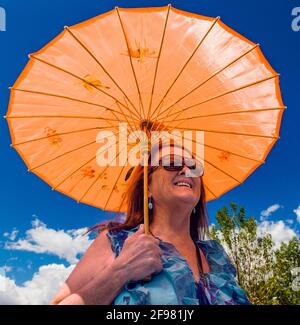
(184, 184)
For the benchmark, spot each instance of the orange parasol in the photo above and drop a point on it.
(143, 67)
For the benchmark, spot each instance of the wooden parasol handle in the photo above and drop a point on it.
(146, 212)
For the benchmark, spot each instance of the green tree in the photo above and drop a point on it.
(263, 272)
(287, 259)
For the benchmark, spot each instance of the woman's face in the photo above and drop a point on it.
(166, 186)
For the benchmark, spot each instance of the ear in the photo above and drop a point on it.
(149, 193)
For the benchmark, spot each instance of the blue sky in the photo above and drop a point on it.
(24, 197)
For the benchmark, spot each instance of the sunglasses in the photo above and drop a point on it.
(176, 163)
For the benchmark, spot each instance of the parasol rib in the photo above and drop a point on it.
(222, 150)
(222, 171)
(234, 133)
(130, 59)
(77, 77)
(102, 67)
(97, 178)
(157, 63)
(225, 150)
(57, 157)
(209, 190)
(227, 113)
(74, 172)
(65, 116)
(110, 194)
(225, 93)
(213, 75)
(187, 62)
(86, 117)
(126, 119)
(63, 133)
(65, 153)
(67, 98)
(122, 201)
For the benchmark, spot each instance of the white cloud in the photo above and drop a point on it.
(290, 221)
(297, 211)
(6, 268)
(271, 209)
(36, 223)
(12, 235)
(40, 290)
(279, 231)
(43, 240)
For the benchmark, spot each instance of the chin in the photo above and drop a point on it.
(184, 196)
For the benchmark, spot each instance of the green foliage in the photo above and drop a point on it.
(264, 272)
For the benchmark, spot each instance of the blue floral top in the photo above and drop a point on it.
(175, 284)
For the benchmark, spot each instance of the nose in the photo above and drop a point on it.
(184, 170)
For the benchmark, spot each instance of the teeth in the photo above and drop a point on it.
(183, 184)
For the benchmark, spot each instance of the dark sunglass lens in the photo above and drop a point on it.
(173, 168)
(171, 161)
(190, 163)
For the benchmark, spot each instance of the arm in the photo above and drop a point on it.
(99, 276)
(101, 290)
(95, 270)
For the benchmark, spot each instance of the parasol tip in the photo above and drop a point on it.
(29, 56)
(11, 145)
(116, 7)
(66, 27)
(10, 88)
(52, 188)
(4, 116)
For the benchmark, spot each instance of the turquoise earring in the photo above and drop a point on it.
(150, 204)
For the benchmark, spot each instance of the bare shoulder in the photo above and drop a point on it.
(101, 242)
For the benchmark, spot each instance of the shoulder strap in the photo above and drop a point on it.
(200, 264)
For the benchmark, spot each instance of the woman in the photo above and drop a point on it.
(173, 265)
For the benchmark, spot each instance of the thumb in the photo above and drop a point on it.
(140, 230)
